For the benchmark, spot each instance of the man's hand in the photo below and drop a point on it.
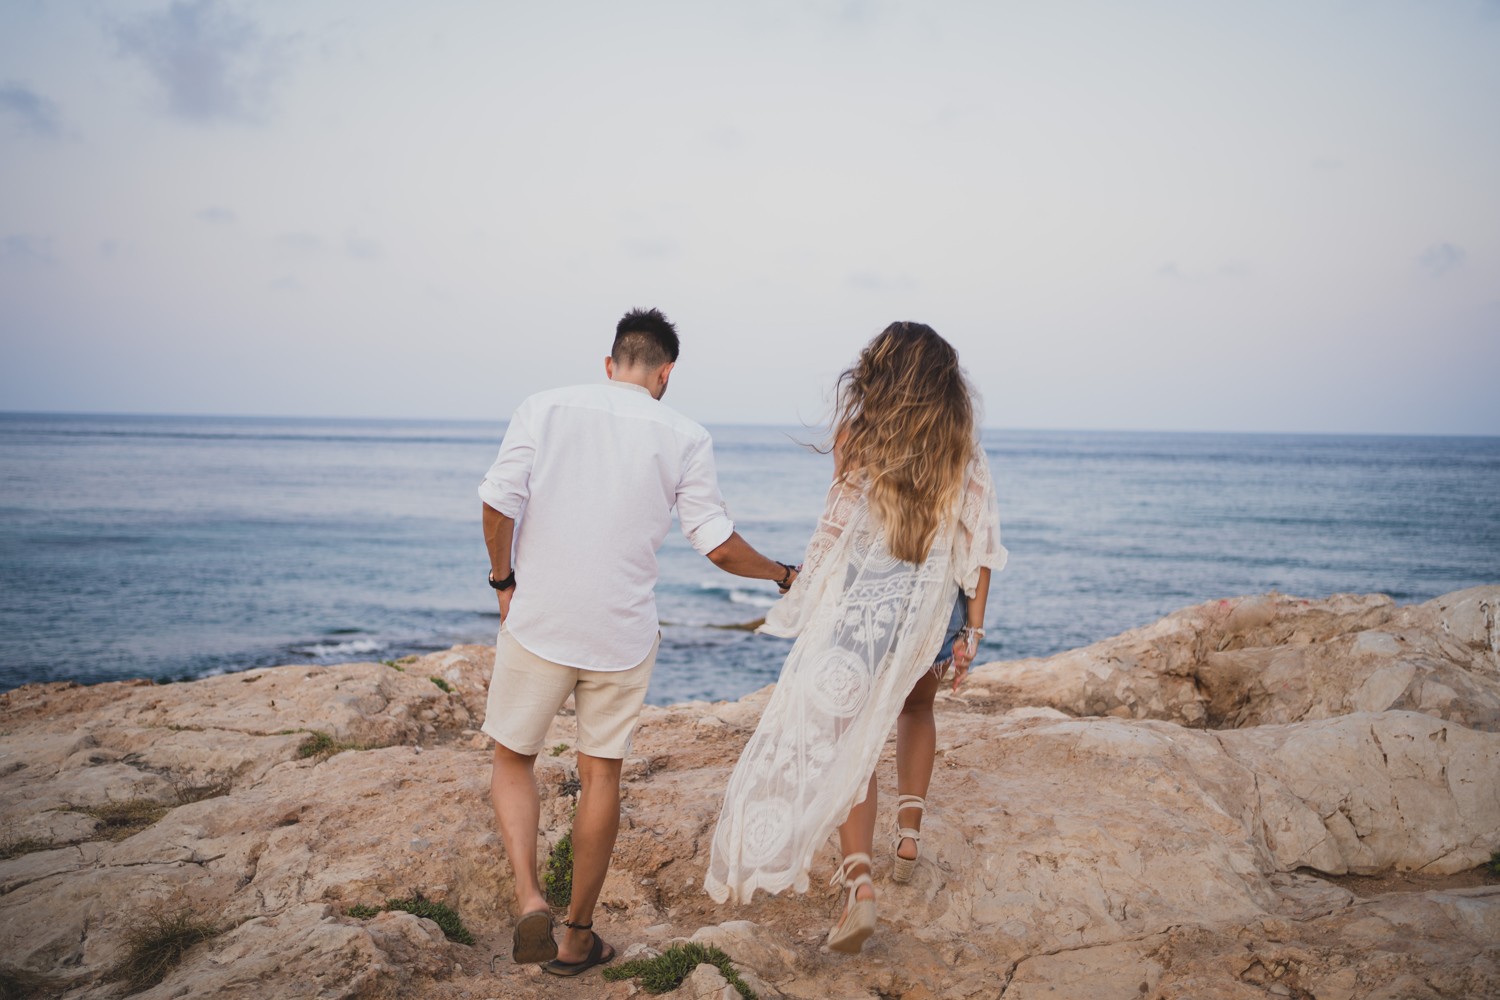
(499, 531)
(735, 555)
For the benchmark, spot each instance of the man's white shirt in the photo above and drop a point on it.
(591, 474)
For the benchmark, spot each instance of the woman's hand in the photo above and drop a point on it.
(965, 648)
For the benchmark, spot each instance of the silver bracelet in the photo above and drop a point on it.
(972, 631)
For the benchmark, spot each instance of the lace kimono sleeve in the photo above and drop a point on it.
(977, 543)
(787, 616)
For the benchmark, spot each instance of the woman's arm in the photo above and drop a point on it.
(967, 645)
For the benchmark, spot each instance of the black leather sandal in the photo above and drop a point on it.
(532, 940)
(597, 954)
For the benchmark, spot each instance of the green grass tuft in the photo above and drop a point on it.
(320, 744)
(557, 880)
(186, 794)
(20, 984)
(156, 944)
(125, 819)
(443, 685)
(440, 914)
(1494, 865)
(558, 750)
(666, 971)
(419, 905)
(23, 845)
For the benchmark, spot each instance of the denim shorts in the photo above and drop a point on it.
(956, 623)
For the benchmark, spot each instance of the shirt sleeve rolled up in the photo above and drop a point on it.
(507, 483)
(701, 510)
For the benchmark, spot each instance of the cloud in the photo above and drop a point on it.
(35, 113)
(213, 64)
(650, 248)
(216, 216)
(299, 242)
(362, 248)
(855, 13)
(1229, 269)
(27, 248)
(1439, 259)
(873, 281)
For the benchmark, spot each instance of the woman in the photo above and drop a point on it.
(910, 530)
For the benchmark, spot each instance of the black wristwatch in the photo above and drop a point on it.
(506, 584)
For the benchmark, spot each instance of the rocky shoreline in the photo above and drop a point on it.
(1186, 810)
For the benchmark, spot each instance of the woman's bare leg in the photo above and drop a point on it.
(916, 749)
(857, 836)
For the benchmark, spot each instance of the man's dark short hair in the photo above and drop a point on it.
(644, 337)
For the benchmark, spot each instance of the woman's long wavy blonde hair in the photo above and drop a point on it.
(903, 431)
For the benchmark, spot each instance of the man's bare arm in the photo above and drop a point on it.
(737, 556)
(499, 530)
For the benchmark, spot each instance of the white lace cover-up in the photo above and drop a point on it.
(867, 626)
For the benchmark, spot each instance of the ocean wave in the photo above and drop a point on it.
(755, 600)
(340, 650)
(734, 595)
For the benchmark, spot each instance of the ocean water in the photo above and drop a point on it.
(177, 547)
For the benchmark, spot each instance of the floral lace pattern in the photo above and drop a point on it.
(867, 625)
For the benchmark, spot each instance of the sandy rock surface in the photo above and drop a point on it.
(1163, 848)
(1250, 661)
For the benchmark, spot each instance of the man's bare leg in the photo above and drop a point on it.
(595, 825)
(517, 813)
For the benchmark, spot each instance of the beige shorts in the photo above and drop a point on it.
(527, 691)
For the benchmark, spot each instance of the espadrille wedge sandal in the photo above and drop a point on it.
(905, 866)
(858, 921)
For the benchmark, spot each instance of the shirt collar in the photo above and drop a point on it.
(628, 385)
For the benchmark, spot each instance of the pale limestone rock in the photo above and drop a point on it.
(1429, 945)
(1058, 853)
(706, 982)
(638, 949)
(1112, 970)
(1273, 659)
(758, 947)
(1367, 793)
(305, 949)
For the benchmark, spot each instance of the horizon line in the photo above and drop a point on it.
(9, 414)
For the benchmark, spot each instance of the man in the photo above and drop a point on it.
(582, 494)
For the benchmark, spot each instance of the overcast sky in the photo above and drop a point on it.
(1187, 216)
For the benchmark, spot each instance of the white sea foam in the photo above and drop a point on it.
(735, 595)
(340, 650)
(754, 599)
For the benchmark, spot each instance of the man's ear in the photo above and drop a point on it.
(665, 373)
(609, 367)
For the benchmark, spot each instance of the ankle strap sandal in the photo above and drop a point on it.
(858, 920)
(905, 866)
